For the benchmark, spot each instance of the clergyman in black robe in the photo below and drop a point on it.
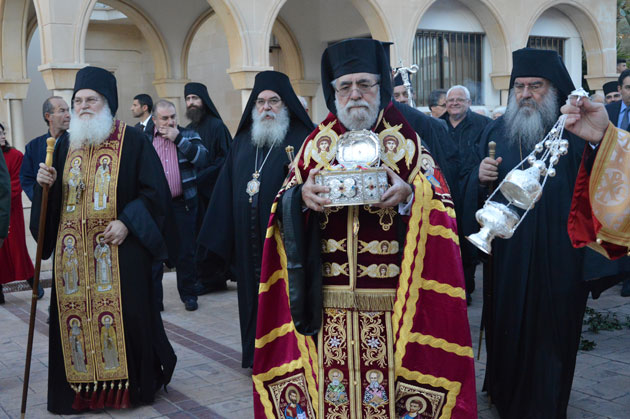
(215, 136)
(236, 222)
(141, 197)
(533, 316)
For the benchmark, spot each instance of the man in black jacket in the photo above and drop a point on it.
(206, 121)
(465, 128)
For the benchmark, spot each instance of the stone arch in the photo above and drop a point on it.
(373, 14)
(198, 23)
(149, 30)
(586, 25)
(234, 27)
(290, 49)
(14, 22)
(494, 27)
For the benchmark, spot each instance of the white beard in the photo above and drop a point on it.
(527, 125)
(358, 118)
(268, 132)
(90, 131)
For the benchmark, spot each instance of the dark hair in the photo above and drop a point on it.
(48, 107)
(623, 75)
(621, 60)
(145, 99)
(7, 146)
(435, 95)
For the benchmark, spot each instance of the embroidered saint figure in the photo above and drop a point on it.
(293, 409)
(108, 342)
(76, 346)
(336, 390)
(76, 185)
(101, 184)
(103, 259)
(70, 264)
(375, 394)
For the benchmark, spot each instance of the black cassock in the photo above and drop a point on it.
(143, 198)
(234, 229)
(217, 139)
(539, 295)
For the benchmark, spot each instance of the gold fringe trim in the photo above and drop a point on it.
(372, 301)
(455, 292)
(274, 334)
(444, 232)
(439, 343)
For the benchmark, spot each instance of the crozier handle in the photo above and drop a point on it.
(50, 148)
(492, 150)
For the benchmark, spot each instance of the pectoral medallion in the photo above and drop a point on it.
(253, 186)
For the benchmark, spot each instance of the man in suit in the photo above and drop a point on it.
(619, 115)
(141, 108)
(618, 111)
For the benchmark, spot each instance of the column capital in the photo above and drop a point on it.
(500, 81)
(170, 88)
(305, 87)
(596, 81)
(60, 76)
(14, 89)
(243, 77)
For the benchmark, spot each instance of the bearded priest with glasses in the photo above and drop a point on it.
(368, 298)
(235, 224)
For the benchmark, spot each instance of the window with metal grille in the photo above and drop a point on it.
(446, 59)
(547, 42)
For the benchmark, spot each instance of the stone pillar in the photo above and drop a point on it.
(172, 90)
(243, 79)
(14, 91)
(308, 89)
(59, 78)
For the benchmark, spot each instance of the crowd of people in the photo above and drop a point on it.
(367, 301)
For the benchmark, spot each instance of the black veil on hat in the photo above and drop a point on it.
(610, 87)
(279, 83)
(201, 90)
(99, 80)
(530, 62)
(355, 56)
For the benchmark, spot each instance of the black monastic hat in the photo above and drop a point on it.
(355, 56)
(530, 62)
(201, 90)
(398, 81)
(279, 83)
(611, 86)
(99, 80)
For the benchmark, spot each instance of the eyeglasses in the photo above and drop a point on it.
(363, 87)
(532, 87)
(273, 102)
(92, 100)
(456, 99)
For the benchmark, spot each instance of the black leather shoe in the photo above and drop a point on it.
(191, 305)
(625, 289)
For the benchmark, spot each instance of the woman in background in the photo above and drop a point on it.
(14, 259)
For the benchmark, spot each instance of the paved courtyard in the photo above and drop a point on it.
(209, 382)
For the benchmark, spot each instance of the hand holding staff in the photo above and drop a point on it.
(50, 147)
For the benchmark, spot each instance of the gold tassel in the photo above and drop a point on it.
(372, 301)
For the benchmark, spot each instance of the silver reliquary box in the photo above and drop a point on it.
(357, 179)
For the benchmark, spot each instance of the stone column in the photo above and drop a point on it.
(172, 90)
(243, 80)
(14, 91)
(59, 78)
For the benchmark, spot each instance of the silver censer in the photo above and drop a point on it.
(522, 188)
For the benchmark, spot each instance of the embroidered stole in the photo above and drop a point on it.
(87, 277)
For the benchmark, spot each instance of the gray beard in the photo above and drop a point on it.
(268, 132)
(358, 118)
(92, 131)
(528, 125)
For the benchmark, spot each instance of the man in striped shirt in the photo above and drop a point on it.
(182, 154)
